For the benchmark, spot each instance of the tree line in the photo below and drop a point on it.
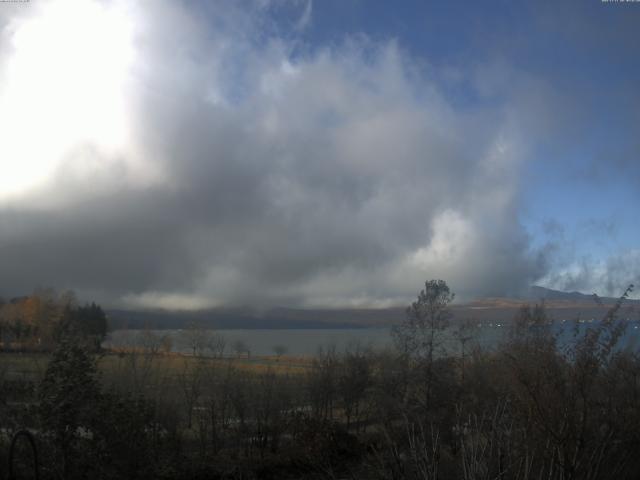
(40, 320)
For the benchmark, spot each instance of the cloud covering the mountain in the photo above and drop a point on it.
(249, 170)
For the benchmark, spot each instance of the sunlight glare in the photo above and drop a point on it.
(64, 86)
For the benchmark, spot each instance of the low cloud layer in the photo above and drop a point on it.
(241, 173)
(608, 277)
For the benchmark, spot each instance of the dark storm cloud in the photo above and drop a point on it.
(341, 178)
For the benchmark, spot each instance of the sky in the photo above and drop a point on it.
(301, 153)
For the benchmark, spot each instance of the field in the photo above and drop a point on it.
(31, 366)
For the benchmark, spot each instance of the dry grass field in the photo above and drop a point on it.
(122, 366)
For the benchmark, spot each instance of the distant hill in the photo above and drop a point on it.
(542, 293)
(276, 318)
(551, 298)
(560, 306)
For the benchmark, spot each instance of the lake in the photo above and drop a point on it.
(301, 342)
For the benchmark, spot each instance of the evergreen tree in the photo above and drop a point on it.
(68, 395)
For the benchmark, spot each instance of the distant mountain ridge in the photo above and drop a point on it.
(537, 293)
(551, 298)
(561, 305)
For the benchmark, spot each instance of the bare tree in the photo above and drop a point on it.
(191, 380)
(195, 338)
(149, 341)
(166, 344)
(354, 382)
(241, 347)
(570, 402)
(322, 383)
(279, 350)
(216, 344)
(465, 332)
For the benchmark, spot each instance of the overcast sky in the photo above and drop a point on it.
(328, 153)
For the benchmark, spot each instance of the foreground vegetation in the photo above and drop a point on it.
(527, 409)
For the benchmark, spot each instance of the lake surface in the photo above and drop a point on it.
(308, 341)
(262, 342)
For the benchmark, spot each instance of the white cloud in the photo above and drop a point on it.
(343, 177)
(608, 277)
(305, 18)
(168, 301)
